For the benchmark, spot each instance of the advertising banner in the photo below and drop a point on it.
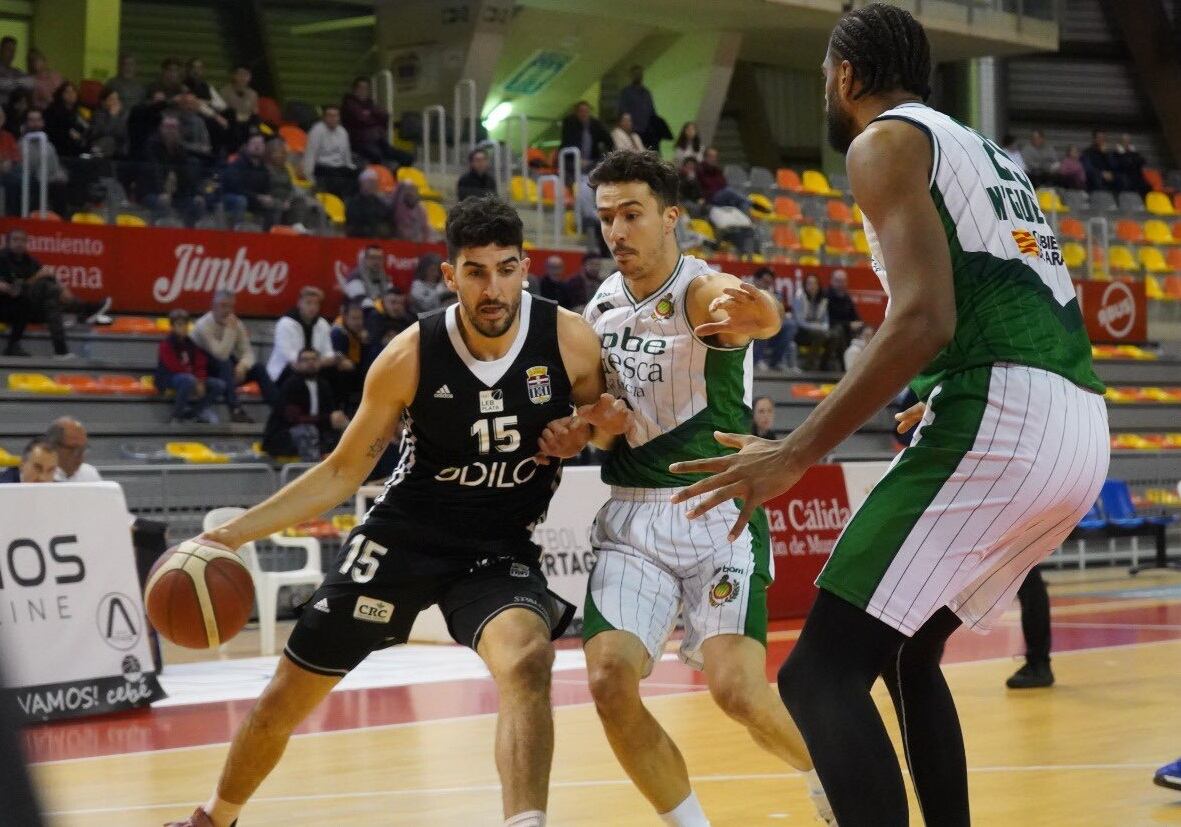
(1116, 312)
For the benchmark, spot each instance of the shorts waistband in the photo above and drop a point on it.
(642, 495)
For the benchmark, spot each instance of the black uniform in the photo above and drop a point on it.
(455, 521)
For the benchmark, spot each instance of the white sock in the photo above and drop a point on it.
(221, 812)
(686, 814)
(818, 795)
(531, 818)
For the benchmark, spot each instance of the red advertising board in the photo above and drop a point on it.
(805, 523)
(1116, 312)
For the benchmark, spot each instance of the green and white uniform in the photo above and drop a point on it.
(651, 560)
(1014, 445)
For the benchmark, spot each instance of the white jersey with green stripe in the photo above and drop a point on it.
(1015, 301)
(680, 388)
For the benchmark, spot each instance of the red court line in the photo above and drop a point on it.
(214, 723)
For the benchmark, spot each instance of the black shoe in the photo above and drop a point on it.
(1031, 676)
(239, 415)
(16, 350)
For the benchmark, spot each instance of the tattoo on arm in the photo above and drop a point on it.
(375, 448)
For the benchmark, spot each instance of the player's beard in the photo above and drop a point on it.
(494, 329)
(840, 125)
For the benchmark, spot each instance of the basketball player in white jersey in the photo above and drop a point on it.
(984, 324)
(675, 346)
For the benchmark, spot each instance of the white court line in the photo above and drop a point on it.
(605, 782)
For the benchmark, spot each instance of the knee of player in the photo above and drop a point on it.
(613, 685)
(738, 698)
(529, 665)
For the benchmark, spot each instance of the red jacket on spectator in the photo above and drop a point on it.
(364, 120)
(711, 179)
(183, 356)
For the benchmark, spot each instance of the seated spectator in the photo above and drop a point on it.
(368, 281)
(328, 157)
(428, 290)
(246, 184)
(350, 340)
(551, 285)
(20, 101)
(763, 424)
(587, 133)
(306, 421)
(194, 132)
(170, 83)
(29, 292)
(734, 226)
(10, 151)
(389, 318)
(64, 124)
(293, 204)
(810, 310)
(1041, 160)
(1009, 145)
(692, 196)
(410, 220)
(183, 367)
(779, 351)
(853, 351)
(69, 438)
(688, 144)
(368, 214)
(301, 327)
(226, 341)
(583, 285)
(368, 126)
(240, 97)
(1071, 171)
(46, 79)
(715, 187)
(477, 180)
(584, 203)
(635, 100)
(11, 78)
(195, 82)
(1129, 165)
(38, 463)
(844, 321)
(170, 178)
(131, 92)
(1099, 164)
(624, 136)
(109, 137)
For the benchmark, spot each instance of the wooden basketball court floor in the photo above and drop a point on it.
(416, 749)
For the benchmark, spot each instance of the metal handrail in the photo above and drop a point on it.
(522, 123)
(27, 142)
(427, 162)
(458, 114)
(576, 154)
(1101, 224)
(559, 207)
(499, 154)
(387, 76)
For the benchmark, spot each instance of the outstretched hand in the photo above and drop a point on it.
(562, 439)
(745, 313)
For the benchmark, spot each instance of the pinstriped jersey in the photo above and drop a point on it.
(1015, 301)
(680, 388)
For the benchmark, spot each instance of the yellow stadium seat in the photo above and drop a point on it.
(764, 203)
(8, 460)
(810, 261)
(195, 452)
(523, 189)
(1153, 260)
(703, 228)
(1158, 203)
(436, 215)
(35, 383)
(861, 242)
(129, 220)
(858, 216)
(1120, 258)
(1074, 254)
(1152, 289)
(418, 178)
(333, 207)
(812, 239)
(1051, 201)
(569, 225)
(1158, 232)
(815, 183)
(87, 218)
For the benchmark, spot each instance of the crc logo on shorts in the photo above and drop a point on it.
(723, 591)
(492, 401)
(537, 381)
(373, 610)
(518, 570)
(664, 309)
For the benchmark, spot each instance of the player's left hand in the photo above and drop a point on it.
(745, 312)
(562, 439)
(759, 471)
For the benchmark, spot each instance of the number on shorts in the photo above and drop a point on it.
(361, 560)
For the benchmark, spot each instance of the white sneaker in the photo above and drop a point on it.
(762, 367)
(97, 316)
(65, 357)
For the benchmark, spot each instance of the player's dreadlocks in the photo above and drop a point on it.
(887, 48)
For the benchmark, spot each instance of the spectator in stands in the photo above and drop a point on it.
(582, 286)
(692, 196)
(734, 226)
(688, 144)
(1009, 145)
(10, 151)
(11, 78)
(211, 108)
(29, 292)
(20, 101)
(1129, 164)
(853, 351)
(195, 82)
(1099, 164)
(183, 367)
(763, 424)
(551, 285)
(170, 178)
(226, 341)
(240, 97)
(715, 187)
(38, 463)
(623, 136)
(328, 157)
(1041, 160)
(811, 314)
(306, 421)
(587, 133)
(410, 219)
(389, 318)
(428, 290)
(294, 204)
(301, 327)
(584, 203)
(844, 321)
(108, 136)
(1071, 171)
(778, 352)
(170, 83)
(477, 180)
(368, 126)
(368, 281)
(131, 92)
(45, 79)
(635, 99)
(69, 438)
(246, 184)
(368, 214)
(350, 340)
(194, 132)
(64, 124)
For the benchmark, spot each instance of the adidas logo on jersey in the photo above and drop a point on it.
(321, 605)
(443, 393)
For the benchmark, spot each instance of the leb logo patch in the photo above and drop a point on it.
(538, 383)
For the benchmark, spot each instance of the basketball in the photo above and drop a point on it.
(199, 596)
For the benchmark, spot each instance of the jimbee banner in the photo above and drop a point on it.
(72, 629)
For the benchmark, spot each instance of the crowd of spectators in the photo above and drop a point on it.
(1101, 165)
(59, 455)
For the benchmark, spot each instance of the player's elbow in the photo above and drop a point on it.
(929, 328)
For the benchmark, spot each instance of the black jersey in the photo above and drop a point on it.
(467, 472)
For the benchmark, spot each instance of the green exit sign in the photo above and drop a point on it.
(536, 73)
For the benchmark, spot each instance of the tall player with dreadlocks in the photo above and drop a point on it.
(984, 324)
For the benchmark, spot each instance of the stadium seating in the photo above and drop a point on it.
(1153, 260)
(1051, 202)
(87, 218)
(1157, 203)
(333, 207)
(816, 183)
(294, 138)
(436, 215)
(386, 183)
(418, 178)
(786, 238)
(1072, 229)
(812, 239)
(788, 208)
(1120, 259)
(788, 180)
(1129, 231)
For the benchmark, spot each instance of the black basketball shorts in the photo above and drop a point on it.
(377, 586)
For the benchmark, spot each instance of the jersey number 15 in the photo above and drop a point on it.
(501, 429)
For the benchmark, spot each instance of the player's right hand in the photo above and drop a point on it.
(910, 417)
(562, 439)
(609, 415)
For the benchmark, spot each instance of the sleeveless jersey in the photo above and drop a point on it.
(1014, 298)
(469, 437)
(680, 388)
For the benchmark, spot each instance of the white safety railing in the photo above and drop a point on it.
(26, 171)
(383, 90)
(575, 154)
(521, 124)
(459, 113)
(559, 208)
(499, 155)
(1097, 227)
(428, 166)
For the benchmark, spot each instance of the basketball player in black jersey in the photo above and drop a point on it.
(473, 388)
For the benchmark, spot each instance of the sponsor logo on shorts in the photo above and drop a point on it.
(372, 610)
(723, 591)
(538, 383)
(518, 570)
(528, 601)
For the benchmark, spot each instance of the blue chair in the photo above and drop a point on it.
(1093, 520)
(1115, 499)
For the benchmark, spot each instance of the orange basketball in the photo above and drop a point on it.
(199, 596)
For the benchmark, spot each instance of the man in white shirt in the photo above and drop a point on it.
(304, 327)
(226, 341)
(328, 157)
(68, 436)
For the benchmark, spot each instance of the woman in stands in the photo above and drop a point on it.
(64, 124)
(688, 144)
(46, 80)
(624, 136)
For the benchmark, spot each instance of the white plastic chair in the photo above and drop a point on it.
(267, 582)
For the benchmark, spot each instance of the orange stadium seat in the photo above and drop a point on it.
(1129, 231)
(385, 179)
(124, 385)
(269, 111)
(283, 229)
(788, 180)
(294, 138)
(130, 324)
(48, 215)
(1173, 257)
(839, 212)
(1072, 229)
(785, 237)
(788, 208)
(1172, 287)
(79, 383)
(838, 243)
(540, 161)
(1155, 179)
